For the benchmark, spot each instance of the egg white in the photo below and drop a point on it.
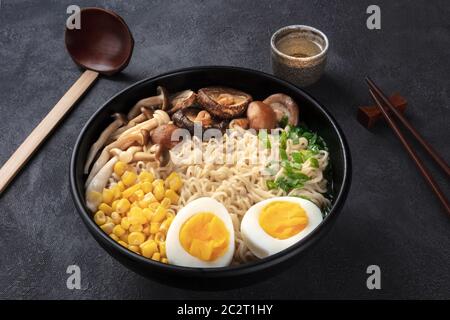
(175, 251)
(260, 243)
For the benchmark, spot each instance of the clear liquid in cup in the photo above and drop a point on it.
(298, 46)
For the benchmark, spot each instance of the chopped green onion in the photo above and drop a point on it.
(271, 184)
(297, 157)
(284, 121)
(283, 154)
(283, 140)
(264, 137)
(314, 162)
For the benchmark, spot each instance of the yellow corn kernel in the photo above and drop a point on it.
(143, 204)
(137, 196)
(166, 224)
(119, 168)
(108, 196)
(109, 220)
(114, 237)
(123, 243)
(134, 211)
(137, 216)
(129, 191)
(172, 195)
(162, 249)
(136, 238)
(107, 227)
(166, 203)
(174, 182)
(100, 218)
(153, 206)
(140, 195)
(158, 182)
(129, 178)
(136, 228)
(146, 186)
(134, 248)
(148, 213)
(94, 197)
(146, 176)
(158, 192)
(148, 248)
(124, 237)
(154, 227)
(160, 214)
(164, 260)
(105, 208)
(123, 206)
(146, 231)
(156, 256)
(121, 186)
(116, 218)
(150, 198)
(117, 192)
(118, 230)
(114, 205)
(125, 223)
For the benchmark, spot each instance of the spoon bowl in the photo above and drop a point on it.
(103, 43)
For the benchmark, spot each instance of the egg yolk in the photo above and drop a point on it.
(283, 219)
(204, 236)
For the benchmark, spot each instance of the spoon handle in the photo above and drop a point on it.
(37, 136)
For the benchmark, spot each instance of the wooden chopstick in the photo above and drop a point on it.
(423, 170)
(436, 157)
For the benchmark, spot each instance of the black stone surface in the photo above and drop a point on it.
(391, 218)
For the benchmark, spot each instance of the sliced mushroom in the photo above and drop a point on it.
(186, 118)
(160, 100)
(159, 154)
(240, 122)
(159, 118)
(162, 156)
(181, 100)
(162, 135)
(283, 105)
(145, 115)
(138, 119)
(127, 156)
(223, 102)
(103, 138)
(148, 113)
(261, 116)
(143, 156)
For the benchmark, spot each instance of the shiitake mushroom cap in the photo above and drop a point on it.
(162, 136)
(186, 118)
(223, 102)
(261, 116)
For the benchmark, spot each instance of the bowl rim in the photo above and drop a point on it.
(245, 268)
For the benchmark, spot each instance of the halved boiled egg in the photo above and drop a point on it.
(201, 235)
(275, 224)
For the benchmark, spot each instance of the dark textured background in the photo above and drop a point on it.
(391, 218)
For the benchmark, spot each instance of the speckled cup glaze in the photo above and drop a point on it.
(302, 71)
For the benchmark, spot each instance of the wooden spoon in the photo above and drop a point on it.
(103, 45)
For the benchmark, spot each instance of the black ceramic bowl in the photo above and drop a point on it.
(259, 85)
